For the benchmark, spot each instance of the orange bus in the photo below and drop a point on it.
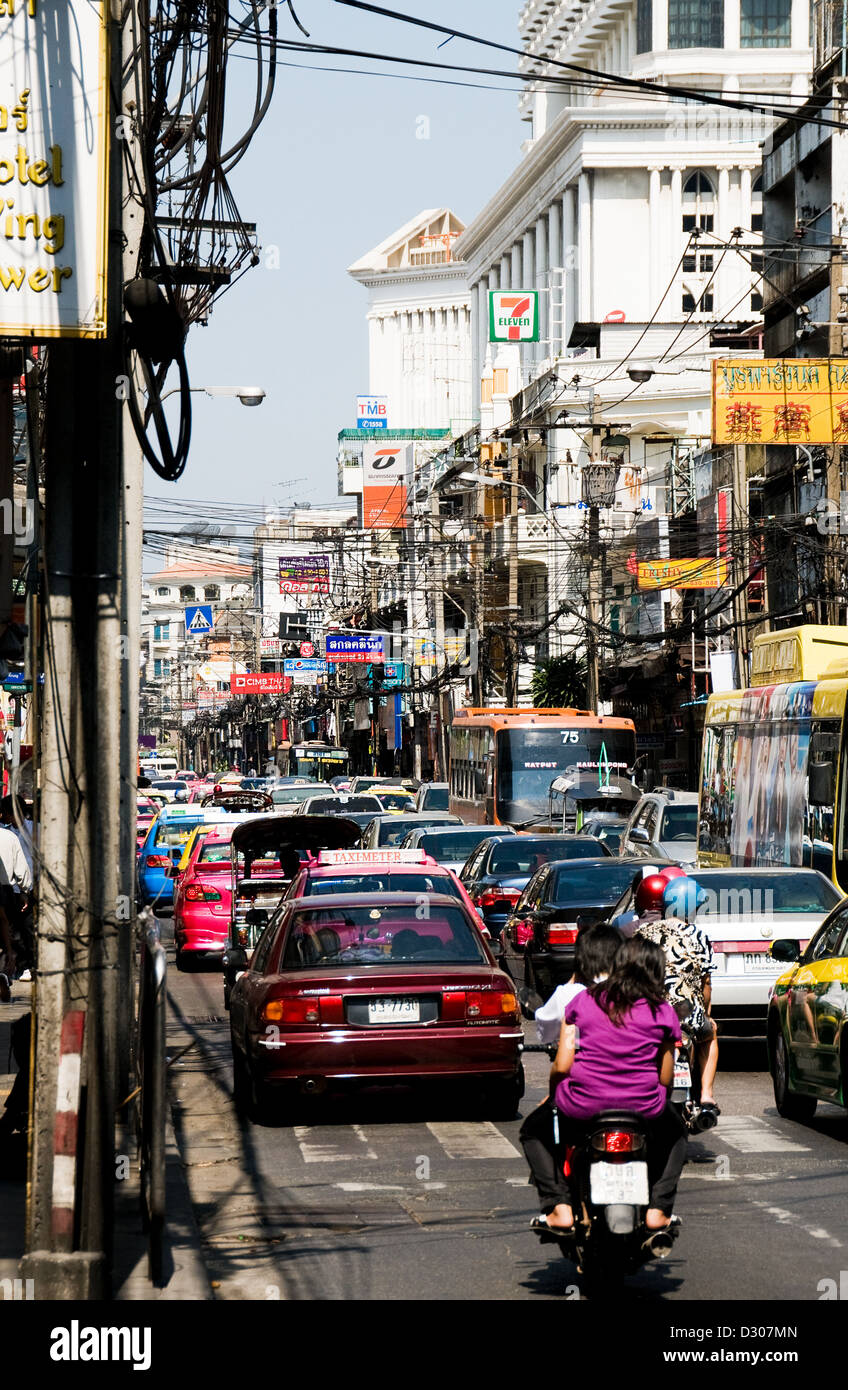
(502, 761)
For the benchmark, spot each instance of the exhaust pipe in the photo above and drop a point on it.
(313, 1085)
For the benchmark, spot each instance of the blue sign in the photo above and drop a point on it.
(351, 646)
(395, 674)
(298, 665)
(198, 620)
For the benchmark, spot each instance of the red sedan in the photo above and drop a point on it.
(365, 988)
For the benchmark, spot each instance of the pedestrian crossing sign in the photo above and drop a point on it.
(198, 620)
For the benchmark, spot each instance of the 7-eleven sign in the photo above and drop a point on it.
(513, 316)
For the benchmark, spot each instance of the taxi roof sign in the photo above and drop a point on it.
(373, 856)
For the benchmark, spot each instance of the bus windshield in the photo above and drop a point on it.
(529, 759)
(323, 762)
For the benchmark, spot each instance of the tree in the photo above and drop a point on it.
(560, 682)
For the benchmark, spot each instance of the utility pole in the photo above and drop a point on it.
(79, 920)
(594, 550)
(742, 562)
(512, 600)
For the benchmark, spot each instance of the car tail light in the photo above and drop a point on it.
(562, 936)
(158, 861)
(332, 1008)
(490, 897)
(290, 1011)
(617, 1141)
(479, 1006)
(198, 893)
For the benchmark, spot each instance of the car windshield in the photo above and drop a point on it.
(380, 935)
(454, 844)
(384, 883)
(521, 854)
(679, 823)
(391, 832)
(436, 798)
(591, 883)
(170, 786)
(172, 832)
(743, 894)
(339, 806)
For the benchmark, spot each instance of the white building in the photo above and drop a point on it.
(302, 533)
(625, 213)
(419, 324)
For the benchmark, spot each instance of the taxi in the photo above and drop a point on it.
(362, 989)
(146, 811)
(203, 895)
(808, 1020)
(163, 847)
(379, 871)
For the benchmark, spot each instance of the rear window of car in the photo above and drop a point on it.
(601, 883)
(436, 799)
(170, 786)
(395, 801)
(522, 856)
(384, 883)
(172, 833)
(745, 895)
(455, 844)
(391, 832)
(218, 853)
(679, 822)
(286, 796)
(372, 935)
(335, 806)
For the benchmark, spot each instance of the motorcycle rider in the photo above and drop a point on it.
(616, 1051)
(595, 952)
(667, 908)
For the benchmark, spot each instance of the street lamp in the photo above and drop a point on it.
(248, 395)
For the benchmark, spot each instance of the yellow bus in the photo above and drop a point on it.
(774, 765)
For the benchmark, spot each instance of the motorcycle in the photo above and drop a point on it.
(686, 1087)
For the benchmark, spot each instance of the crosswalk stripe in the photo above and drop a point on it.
(469, 1140)
(750, 1135)
(331, 1144)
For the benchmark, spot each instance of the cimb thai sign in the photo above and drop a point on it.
(53, 168)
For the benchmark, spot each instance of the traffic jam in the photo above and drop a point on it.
(539, 914)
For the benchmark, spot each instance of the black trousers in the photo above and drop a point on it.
(666, 1136)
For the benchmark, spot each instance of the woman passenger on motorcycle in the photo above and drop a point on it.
(616, 1052)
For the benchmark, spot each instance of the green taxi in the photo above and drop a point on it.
(808, 1020)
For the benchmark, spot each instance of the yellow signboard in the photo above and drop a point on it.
(54, 143)
(703, 573)
(801, 400)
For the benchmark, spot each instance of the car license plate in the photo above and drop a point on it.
(760, 963)
(611, 1183)
(393, 1011)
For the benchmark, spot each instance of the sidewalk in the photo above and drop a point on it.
(184, 1273)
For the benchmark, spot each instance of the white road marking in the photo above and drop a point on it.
(369, 1187)
(468, 1139)
(790, 1218)
(750, 1135)
(334, 1144)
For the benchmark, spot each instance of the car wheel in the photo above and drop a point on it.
(789, 1104)
(183, 962)
(504, 1097)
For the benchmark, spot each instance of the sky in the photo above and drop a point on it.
(334, 169)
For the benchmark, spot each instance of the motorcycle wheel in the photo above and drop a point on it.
(604, 1266)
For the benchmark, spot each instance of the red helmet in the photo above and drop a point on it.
(672, 872)
(649, 894)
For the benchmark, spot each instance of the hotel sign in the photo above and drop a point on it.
(801, 400)
(54, 140)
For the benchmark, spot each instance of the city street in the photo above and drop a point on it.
(388, 1197)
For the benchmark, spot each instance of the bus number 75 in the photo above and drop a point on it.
(570, 735)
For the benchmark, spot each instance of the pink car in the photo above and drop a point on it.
(202, 897)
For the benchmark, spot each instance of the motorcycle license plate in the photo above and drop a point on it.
(682, 1076)
(613, 1183)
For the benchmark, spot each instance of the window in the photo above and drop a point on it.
(644, 26)
(696, 23)
(704, 305)
(161, 669)
(698, 264)
(187, 593)
(757, 204)
(163, 593)
(756, 303)
(698, 203)
(766, 24)
(212, 592)
(161, 632)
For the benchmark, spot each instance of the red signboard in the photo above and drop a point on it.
(256, 683)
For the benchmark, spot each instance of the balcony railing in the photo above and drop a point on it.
(534, 532)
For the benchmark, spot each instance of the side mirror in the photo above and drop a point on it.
(257, 917)
(235, 958)
(785, 950)
(173, 871)
(639, 835)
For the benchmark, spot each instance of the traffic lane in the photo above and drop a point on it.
(391, 1194)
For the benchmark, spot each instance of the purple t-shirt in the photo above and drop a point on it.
(615, 1066)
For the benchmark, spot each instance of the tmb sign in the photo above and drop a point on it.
(256, 683)
(513, 316)
(372, 412)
